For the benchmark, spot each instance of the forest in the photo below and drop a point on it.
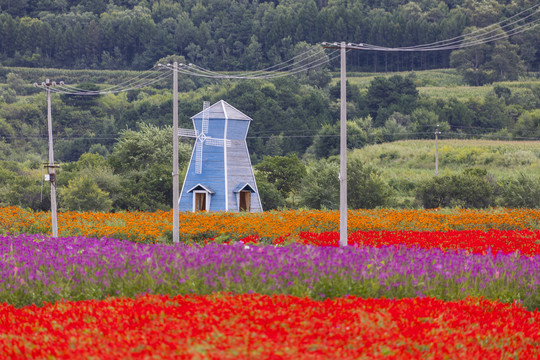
(115, 150)
(249, 34)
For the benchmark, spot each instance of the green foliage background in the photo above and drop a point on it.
(119, 143)
(237, 35)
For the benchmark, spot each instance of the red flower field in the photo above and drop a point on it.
(527, 242)
(223, 326)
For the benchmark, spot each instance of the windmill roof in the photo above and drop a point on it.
(223, 110)
(202, 187)
(243, 186)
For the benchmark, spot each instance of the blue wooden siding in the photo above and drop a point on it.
(220, 173)
(239, 169)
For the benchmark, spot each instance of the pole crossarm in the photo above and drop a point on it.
(338, 45)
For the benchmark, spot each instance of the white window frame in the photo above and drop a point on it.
(208, 198)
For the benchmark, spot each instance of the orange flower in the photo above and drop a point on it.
(153, 226)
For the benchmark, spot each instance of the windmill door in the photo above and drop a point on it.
(245, 199)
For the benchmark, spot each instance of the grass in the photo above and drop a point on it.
(501, 158)
(440, 83)
(406, 163)
(439, 77)
(462, 92)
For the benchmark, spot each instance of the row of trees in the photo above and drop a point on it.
(238, 34)
(137, 177)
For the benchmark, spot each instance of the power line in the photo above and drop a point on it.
(196, 70)
(477, 37)
(308, 135)
(311, 58)
(137, 84)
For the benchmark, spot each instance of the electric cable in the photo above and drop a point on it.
(456, 42)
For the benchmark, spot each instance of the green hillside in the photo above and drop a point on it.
(405, 164)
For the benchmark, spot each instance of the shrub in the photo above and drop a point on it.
(320, 187)
(520, 192)
(471, 189)
(270, 196)
(365, 187)
(83, 194)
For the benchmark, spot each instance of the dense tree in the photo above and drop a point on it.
(456, 114)
(21, 185)
(14, 7)
(505, 61)
(471, 189)
(143, 159)
(425, 122)
(387, 95)
(141, 149)
(240, 35)
(283, 106)
(488, 62)
(522, 191)
(83, 194)
(528, 125)
(284, 172)
(320, 187)
(271, 198)
(366, 188)
(360, 132)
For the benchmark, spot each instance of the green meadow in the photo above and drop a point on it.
(405, 164)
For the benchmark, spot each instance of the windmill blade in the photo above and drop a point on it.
(206, 105)
(198, 157)
(218, 142)
(187, 133)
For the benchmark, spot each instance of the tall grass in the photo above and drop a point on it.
(404, 164)
(499, 158)
(441, 83)
(440, 77)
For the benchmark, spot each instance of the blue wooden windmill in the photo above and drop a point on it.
(219, 176)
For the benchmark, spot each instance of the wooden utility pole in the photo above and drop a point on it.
(437, 133)
(176, 195)
(343, 151)
(51, 167)
(343, 143)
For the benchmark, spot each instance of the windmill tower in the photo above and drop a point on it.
(219, 176)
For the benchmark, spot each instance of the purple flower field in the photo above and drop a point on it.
(35, 268)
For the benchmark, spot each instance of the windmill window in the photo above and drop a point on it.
(201, 197)
(245, 200)
(200, 201)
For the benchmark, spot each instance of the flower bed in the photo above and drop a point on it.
(413, 284)
(527, 242)
(150, 227)
(36, 269)
(222, 326)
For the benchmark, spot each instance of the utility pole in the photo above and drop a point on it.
(175, 175)
(343, 143)
(51, 166)
(437, 133)
(176, 226)
(343, 151)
